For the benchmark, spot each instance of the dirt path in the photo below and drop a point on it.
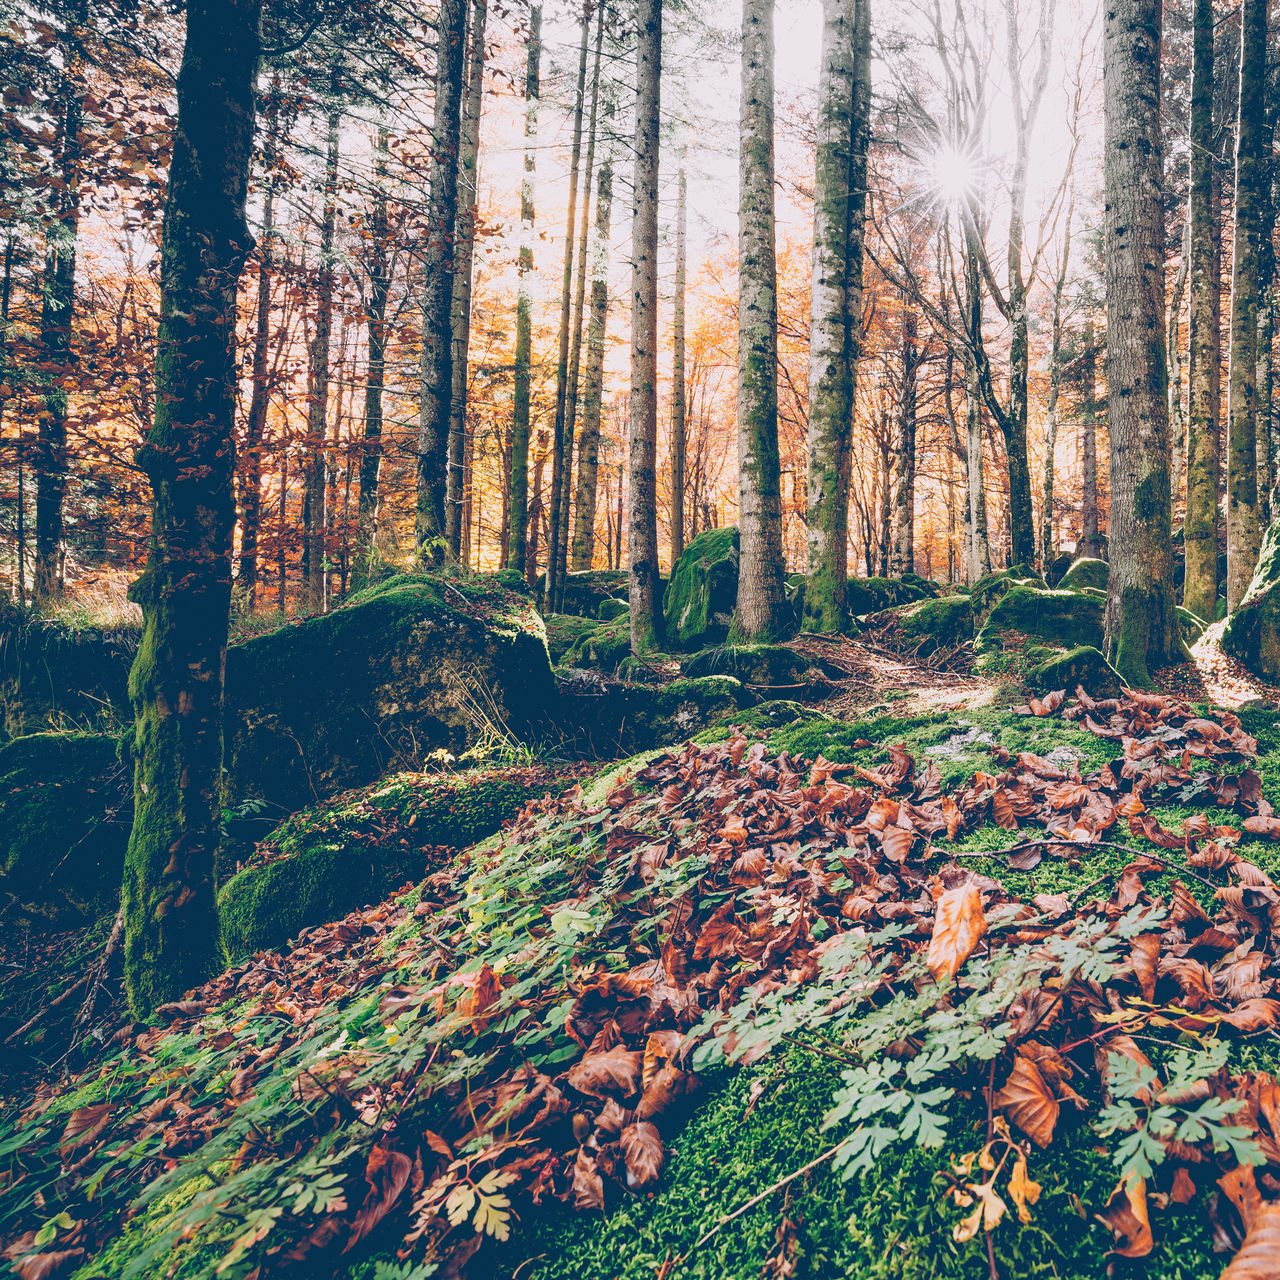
(1224, 680)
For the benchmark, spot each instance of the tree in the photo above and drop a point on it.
(642, 515)
(761, 607)
(1252, 172)
(436, 395)
(1141, 617)
(1055, 390)
(518, 521)
(1200, 528)
(902, 559)
(678, 442)
(171, 918)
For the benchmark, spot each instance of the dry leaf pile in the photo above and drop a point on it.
(415, 1076)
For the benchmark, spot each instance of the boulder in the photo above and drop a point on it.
(1083, 665)
(764, 664)
(418, 663)
(585, 590)
(703, 591)
(1252, 633)
(66, 807)
(564, 630)
(939, 623)
(988, 591)
(1065, 619)
(603, 647)
(1058, 566)
(926, 585)
(871, 595)
(1085, 572)
(611, 610)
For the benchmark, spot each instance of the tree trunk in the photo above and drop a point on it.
(642, 515)
(1090, 538)
(678, 443)
(761, 611)
(903, 559)
(313, 467)
(1177, 418)
(836, 307)
(1141, 620)
(584, 532)
(1055, 389)
(1243, 529)
(468, 178)
(518, 521)
(436, 392)
(171, 919)
(1200, 525)
(1266, 305)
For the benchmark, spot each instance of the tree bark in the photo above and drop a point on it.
(1141, 619)
(1266, 304)
(642, 516)
(438, 261)
(678, 442)
(1243, 529)
(903, 557)
(172, 940)
(1055, 390)
(1090, 539)
(761, 610)
(465, 240)
(518, 521)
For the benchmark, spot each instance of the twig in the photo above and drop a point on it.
(1103, 844)
(49, 1008)
(98, 973)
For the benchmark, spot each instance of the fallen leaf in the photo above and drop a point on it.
(1029, 1102)
(958, 924)
(643, 1151)
(1126, 1214)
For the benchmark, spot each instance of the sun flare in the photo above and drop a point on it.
(952, 172)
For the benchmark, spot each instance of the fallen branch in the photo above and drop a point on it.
(1100, 844)
(98, 974)
(49, 1008)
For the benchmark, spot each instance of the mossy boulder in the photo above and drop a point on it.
(334, 858)
(564, 630)
(1252, 633)
(66, 806)
(871, 595)
(1058, 566)
(415, 664)
(703, 591)
(764, 664)
(603, 647)
(585, 590)
(988, 591)
(54, 674)
(1083, 665)
(612, 609)
(1062, 618)
(1085, 572)
(941, 623)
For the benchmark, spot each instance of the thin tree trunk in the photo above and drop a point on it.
(1141, 619)
(1090, 539)
(518, 523)
(642, 517)
(172, 940)
(678, 442)
(468, 177)
(903, 558)
(1266, 304)
(1055, 388)
(761, 609)
(1177, 418)
(1243, 529)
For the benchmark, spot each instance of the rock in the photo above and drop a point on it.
(564, 630)
(417, 663)
(926, 585)
(1063, 618)
(988, 591)
(872, 595)
(765, 664)
(1252, 633)
(1083, 665)
(585, 590)
(603, 647)
(66, 807)
(941, 623)
(335, 858)
(703, 591)
(611, 610)
(1060, 564)
(1085, 572)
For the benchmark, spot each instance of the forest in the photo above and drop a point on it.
(639, 641)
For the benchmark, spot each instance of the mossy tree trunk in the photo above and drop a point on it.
(584, 530)
(464, 254)
(678, 441)
(1266, 303)
(642, 515)
(1200, 526)
(762, 609)
(518, 502)
(836, 301)
(1243, 528)
(1141, 617)
(435, 396)
(902, 557)
(171, 922)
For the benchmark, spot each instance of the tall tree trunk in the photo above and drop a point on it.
(1141, 619)
(56, 319)
(518, 522)
(1266, 304)
(762, 608)
(468, 177)
(551, 587)
(584, 532)
(436, 393)
(1177, 418)
(836, 304)
(885, 530)
(1243, 529)
(1090, 538)
(1200, 525)
(642, 515)
(375, 374)
(1055, 389)
(575, 353)
(313, 467)
(172, 938)
(678, 441)
(903, 558)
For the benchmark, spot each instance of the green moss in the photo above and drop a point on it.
(765, 664)
(612, 610)
(703, 591)
(1083, 665)
(1252, 633)
(602, 647)
(66, 804)
(1063, 618)
(1085, 572)
(871, 595)
(564, 631)
(945, 622)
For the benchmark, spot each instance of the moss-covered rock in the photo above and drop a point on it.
(334, 858)
(1085, 572)
(1058, 566)
(1252, 633)
(988, 591)
(417, 663)
(703, 591)
(871, 595)
(764, 664)
(1063, 618)
(54, 674)
(603, 647)
(585, 590)
(612, 609)
(564, 630)
(66, 805)
(927, 585)
(1083, 665)
(941, 623)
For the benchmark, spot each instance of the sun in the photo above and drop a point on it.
(953, 174)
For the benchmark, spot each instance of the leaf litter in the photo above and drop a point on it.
(418, 1075)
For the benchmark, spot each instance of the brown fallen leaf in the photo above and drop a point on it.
(614, 1073)
(643, 1151)
(1029, 1102)
(84, 1125)
(958, 924)
(1127, 1216)
(588, 1185)
(387, 1173)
